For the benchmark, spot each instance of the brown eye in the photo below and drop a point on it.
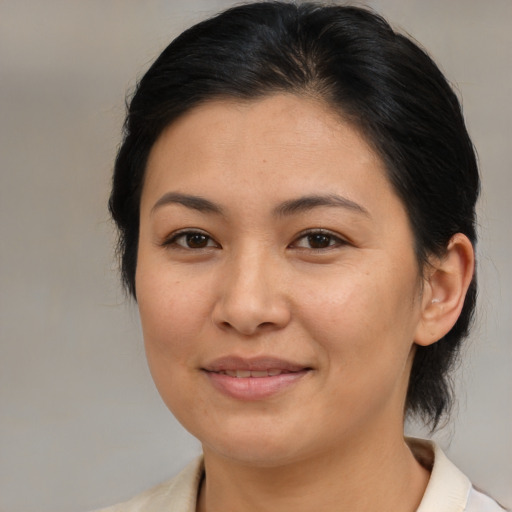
(319, 241)
(191, 240)
(196, 240)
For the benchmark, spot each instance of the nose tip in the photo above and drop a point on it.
(251, 302)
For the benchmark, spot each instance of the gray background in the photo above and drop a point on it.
(81, 424)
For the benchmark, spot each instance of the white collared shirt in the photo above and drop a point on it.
(448, 489)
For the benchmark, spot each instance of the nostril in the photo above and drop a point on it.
(263, 325)
(247, 329)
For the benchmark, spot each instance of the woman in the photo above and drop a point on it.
(295, 196)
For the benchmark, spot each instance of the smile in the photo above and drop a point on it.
(243, 374)
(254, 379)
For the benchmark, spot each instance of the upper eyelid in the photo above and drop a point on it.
(186, 231)
(323, 231)
(172, 237)
(337, 240)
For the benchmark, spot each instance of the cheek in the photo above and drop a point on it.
(365, 342)
(172, 311)
(361, 318)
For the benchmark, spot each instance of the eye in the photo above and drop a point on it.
(191, 240)
(317, 240)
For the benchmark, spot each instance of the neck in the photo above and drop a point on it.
(369, 473)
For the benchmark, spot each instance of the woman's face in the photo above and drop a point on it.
(276, 279)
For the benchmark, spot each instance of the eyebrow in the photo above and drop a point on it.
(290, 207)
(306, 203)
(194, 202)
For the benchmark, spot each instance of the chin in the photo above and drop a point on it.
(257, 443)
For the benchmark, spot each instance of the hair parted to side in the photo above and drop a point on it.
(376, 79)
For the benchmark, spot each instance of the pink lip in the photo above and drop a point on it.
(253, 388)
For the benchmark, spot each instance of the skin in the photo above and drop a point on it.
(347, 304)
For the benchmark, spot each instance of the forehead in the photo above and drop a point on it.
(303, 118)
(281, 135)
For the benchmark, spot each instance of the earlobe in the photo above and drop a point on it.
(445, 289)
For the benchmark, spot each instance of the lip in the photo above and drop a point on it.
(229, 376)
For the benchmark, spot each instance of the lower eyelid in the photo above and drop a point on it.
(336, 240)
(172, 239)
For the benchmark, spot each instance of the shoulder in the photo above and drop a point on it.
(176, 495)
(448, 490)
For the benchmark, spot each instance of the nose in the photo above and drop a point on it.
(252, 296)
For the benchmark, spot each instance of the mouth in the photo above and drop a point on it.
(254, 379)
(258, 374)
(256, 366)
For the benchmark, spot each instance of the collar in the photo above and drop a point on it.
(448, 488)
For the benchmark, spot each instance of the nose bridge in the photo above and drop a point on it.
(252, 293)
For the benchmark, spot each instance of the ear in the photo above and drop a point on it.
(445, 288)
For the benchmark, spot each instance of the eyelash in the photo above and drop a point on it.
(187, 234)
(331, 239)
